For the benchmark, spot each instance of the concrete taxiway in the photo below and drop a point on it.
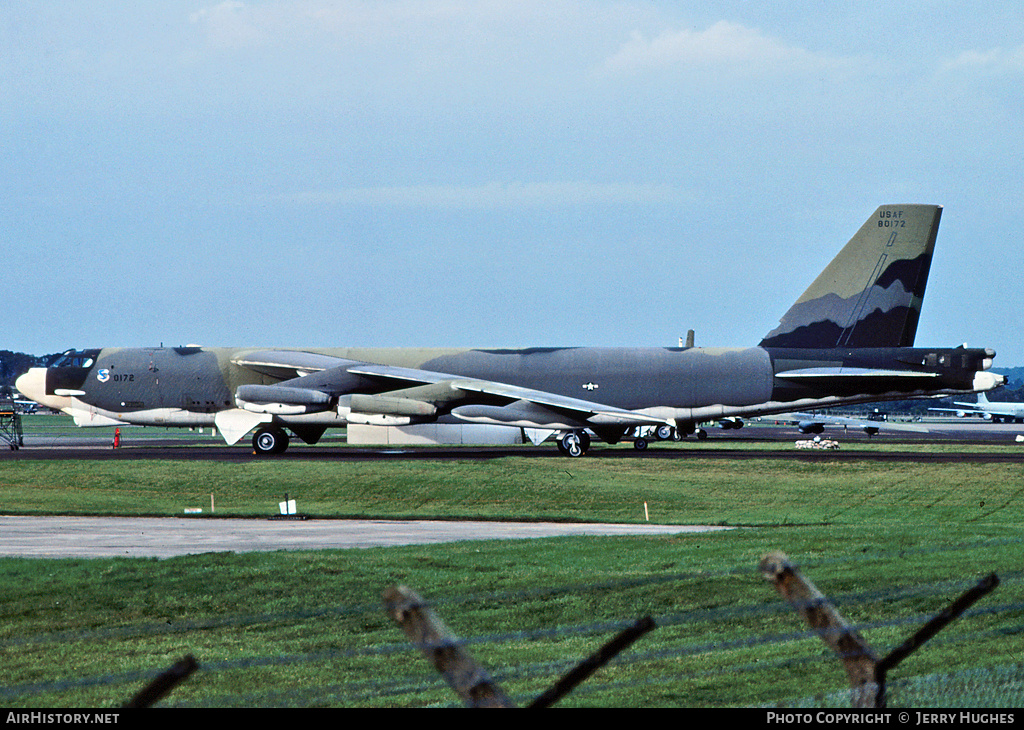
(44, 537)
(165, 537)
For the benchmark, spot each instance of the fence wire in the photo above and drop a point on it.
(695, 649)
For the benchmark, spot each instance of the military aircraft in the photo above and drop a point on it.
(995, 411)
(871, 425)
(848, 339)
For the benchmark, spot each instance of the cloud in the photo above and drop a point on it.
(994, 60)
(723, 45)
(230, 24)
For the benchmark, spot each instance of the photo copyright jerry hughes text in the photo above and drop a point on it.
(899, 717)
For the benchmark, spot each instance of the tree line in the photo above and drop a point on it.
(13, 364)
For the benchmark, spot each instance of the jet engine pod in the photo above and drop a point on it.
(281, 400)
(520, 413)
(386, 405)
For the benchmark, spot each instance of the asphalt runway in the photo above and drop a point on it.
(165, 537)
(142, 444)
(48, 537)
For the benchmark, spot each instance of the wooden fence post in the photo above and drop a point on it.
(867, 673)
(467, 678)
(859, 659)
(164, 683)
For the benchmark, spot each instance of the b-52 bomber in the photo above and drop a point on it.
(848, 339)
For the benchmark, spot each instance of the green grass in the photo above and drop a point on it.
(891, 545)
(714, 491)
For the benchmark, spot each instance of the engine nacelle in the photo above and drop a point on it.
(386, 405)
(281, 400)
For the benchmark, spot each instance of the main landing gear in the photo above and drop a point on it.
(643, 435)
(270, 440)
(574, 443)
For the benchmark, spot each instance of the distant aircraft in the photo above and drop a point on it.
(18, 404)
(995, 411)
(872, 424)
(848, 339)
(27, 407)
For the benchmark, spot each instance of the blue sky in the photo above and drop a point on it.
(494, 173)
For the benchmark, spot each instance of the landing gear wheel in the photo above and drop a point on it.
(701, 434)
(574, 443)
(270, 440)
(664, 433)
(640, 444)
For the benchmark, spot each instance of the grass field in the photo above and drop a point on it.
(891, 546)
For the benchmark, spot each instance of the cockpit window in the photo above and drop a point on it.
(75, 359)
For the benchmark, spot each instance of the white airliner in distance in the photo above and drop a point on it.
(995, 411)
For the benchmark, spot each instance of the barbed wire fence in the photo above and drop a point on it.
(693, 652)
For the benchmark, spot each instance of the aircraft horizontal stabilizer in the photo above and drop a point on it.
(830, 374)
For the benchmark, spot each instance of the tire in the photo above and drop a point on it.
(574, 444)
(268, 441)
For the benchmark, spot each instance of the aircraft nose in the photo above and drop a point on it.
(32, 384)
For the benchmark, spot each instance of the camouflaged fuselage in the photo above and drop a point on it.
(848, 339)
(202, 381)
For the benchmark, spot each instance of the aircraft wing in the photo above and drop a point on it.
(593, 413)
(543, 409)
(958, 411)
(403, 395)
(288, 363)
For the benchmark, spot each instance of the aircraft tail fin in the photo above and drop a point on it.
(871, 293)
